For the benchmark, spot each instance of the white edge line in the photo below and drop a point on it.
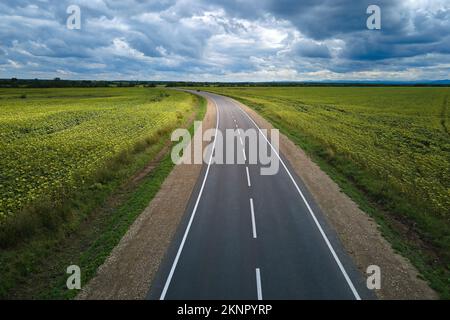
(252, 210)
(258, 284)
(330, 247)
(248, 177)
(180, 249)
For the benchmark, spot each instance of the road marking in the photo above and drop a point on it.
(248, 177)
(253, 218)
(243, 146)
(258, 284)
(180, 249)
(328, 243)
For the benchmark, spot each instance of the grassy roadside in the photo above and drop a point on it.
(36, 268)
(401, 232)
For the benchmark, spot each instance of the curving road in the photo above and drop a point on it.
(249, 236)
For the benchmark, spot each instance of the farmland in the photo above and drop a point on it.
(58, 142)
(387, 147)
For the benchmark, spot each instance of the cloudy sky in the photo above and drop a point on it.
(225, 40)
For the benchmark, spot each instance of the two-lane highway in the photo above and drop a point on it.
(252, 236)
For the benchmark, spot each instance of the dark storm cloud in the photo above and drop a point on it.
(225, 39)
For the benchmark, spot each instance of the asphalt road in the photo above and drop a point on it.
(249, 236)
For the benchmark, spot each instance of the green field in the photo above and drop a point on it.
(388, 147)
(64, 151)
(54, 142)
(66, 159)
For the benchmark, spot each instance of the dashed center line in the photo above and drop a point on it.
(258, 284)
(248, 177)
(242, 143)
(253, 218)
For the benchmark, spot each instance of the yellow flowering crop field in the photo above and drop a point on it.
(51, 139)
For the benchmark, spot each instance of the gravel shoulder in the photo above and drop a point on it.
(358, 232)
(129, 270)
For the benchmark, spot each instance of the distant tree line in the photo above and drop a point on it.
(307, 84)
(59, 83)
(445, 83)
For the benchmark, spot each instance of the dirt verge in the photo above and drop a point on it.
(131, 266)
(358, 232)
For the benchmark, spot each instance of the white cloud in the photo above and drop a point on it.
(225, 40)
